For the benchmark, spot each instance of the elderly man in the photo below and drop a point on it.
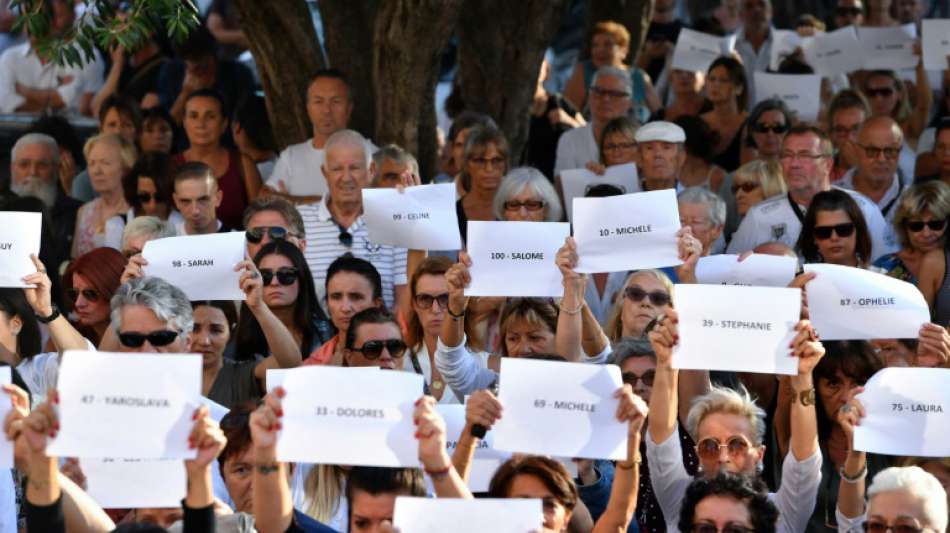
(197, 198)
(806, 164)
(662, 155)
(704, 213)
(389, 164)
(335, 226)
(296, 175)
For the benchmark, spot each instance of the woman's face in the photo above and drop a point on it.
(605, 51)
(723, 428)
(619, 149)
(768, 132)
(897, 507)
(882, 95)
(837, 249)
(156, 136)
(148, 198)
(639, 373)
(105, 167)
(525, 338)
(687, 81)
(748, 192)
(204, 123)
(348, 293)
(276, 294)
(834, 392)
(926, 238)
(369, 511)
(115, 122)
(238, 474)
(211, 334)
(556, 516)
(91, 306)
(525, 206)
(719, 86)
(432, 288)
(376, 333)
(720, 511)
(486, 169)
(637, 314)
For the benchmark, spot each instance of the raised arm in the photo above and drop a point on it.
(569, 336)
(803, 421)
(436, 463)
(273, 504)
(284, 351)
(481, 409)
(458, 277)
(855, 470)
(64, 335)
(624, 491)
(209, 440)
(664, 402)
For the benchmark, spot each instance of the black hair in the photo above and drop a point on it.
(227, 307)
(700, 138)
(331, 73)
(856, 360)
(158, 167)
(125, 106)
(362, 267)
(13, 303)
(761, 108)
(251, 114)
(466, 120)
(751, 492)
(158, 112)
(736, 74)
(210, 93)
(192, 170)
(370, 315)
(199, 44)
(833, 200)
(376, 480)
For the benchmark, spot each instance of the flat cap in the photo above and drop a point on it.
(660, 130)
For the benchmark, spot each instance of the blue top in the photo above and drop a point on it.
(305, 524)
(892, 265)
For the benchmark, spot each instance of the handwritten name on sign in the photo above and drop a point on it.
(200, 265)
(521, 263)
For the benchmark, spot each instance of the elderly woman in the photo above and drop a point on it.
(99, 222)
(140, 230)
(485, 162)
(920, 222)
(646, 295)
(526, 195)
(705, 213)
(727, 89)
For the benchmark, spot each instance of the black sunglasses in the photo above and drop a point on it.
(631, 379)
(636, 294)
(918, 225)
(162, 337)
(284, 275)
(146, 197)
(843, 230)
(373, 349)
(255, 235)
(885, 92)
(424, 301)
(746, 187)
(777, 129)
(91, 295)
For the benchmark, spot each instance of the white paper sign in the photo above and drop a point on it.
(151, 397)
(6, 446)
(800, 92)
(419, 218)
(486, 460)
(695, 50)
(20, 239)
(576, 182)
(495, 515)
(712, 326)
(515, 258)
(200, 265)
(935, 41)
(757, 270)
(836, 52)
(135, 483)
(348, 417)
(846, 303)
(560, 409)
(888, 48)
(784, 43)
(908, 413)
(627, 232)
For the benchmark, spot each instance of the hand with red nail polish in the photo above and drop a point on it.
(206, 436)
(431, 435)
(265, 421)
(663, 337)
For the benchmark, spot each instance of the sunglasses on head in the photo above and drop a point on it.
(631, 379)
(842, 230)
(256, 235)
(284, 275)
(881, 527)
(636, 295)
(916, 226)
(883, 92)
(373, 349)
(708, 448)
(777, 129)
(746, 187)
(162, 337)
(91, 295)
(424, 301)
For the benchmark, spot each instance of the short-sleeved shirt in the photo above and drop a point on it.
(20, 65)
(299, 169)
(575, 149)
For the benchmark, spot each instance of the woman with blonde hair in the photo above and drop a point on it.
(646, 295)
(100, 221)
(920, 222)
(755, 181)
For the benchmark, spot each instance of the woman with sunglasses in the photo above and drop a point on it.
(920, 222)
(484, 164)
(374, 338)
(834, 231)
(727, 503)
(888, 96)
(646, 295)
(148, 188)
(89, 283)
(755, 181)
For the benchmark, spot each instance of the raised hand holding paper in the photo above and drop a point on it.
(200, 265)
(800, 92)
(21, 237)
(627, 232)
(135, 483)
(935, 41)
(150, 397)
(757, 270)
(519, 264)
(712, 326)
(560, 409)
(576, 182)
(889, 48)
(695, 50)
(486, 460)
(835, 52)
(784, 43)
(329, 418)
(907, 413)
(419, 218)
(431, 515)
(846, 303)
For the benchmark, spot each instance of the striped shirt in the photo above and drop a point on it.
(324, 246)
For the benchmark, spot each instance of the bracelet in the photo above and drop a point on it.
(571, 312)
(455, 317)
(267, 468)
(627, 465)
(47, 319)
(855, 478)
(438, 474)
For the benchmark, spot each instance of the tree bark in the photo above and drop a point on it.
(501, 45)
(348, 37)
(635, 15)
(408, 40)
(287, 52)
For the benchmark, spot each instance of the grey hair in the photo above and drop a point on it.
(167, 301)
(630, 347)
(394, 153)
(920, 484)
(519, 178)
(346, 138)
(618, 73)
(151, 227)
(714, 204)
(728, 401)
(37, 138)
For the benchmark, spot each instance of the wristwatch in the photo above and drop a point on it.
(807, 397)
(47, 319)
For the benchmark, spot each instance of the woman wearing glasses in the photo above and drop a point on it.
(727, 503)
(148, 187)
(374, 339)
(525, 195)
(888, 96)
(834, 231)
(755, 181)
(920, 221)
(89, 283)
(646, 295)
(484, 163)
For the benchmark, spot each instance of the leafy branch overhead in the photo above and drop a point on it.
(101, 25)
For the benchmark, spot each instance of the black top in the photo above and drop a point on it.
(463, 221)
(729, 159)
(541, 148)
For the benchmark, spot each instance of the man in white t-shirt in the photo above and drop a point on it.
(806, 164)
(297, 175)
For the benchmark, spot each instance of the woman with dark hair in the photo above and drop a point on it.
(617, 144)
(699, 169)
(374, 339)
(768, 122)
(888, 96)
(686, 88)
(729, 503)
(452, 159)
(485, 162)
(148, 187)
(254, 138)
(223, 380)
(727, 89)
(834, 231)
(89, 283)
(158, 131)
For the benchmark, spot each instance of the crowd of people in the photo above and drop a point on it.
(185, 148)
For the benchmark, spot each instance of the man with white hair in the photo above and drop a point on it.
(704, 213)
(335, 225)
(662, 155)
(389, 164)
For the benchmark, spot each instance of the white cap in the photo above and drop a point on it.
(660, 130)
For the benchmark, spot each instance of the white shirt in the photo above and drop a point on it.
(774, 220)
(576, 148)
(299, 169)
(752, 60)
(18, 64)
(448, 395)
(888, 202)
(298, 489)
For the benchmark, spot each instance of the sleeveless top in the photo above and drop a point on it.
(942, 301)
(231, 183)
(730, 158)
(637, 76)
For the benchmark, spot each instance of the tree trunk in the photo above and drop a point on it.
(501, 45)
(408, 40)
(287, 52)
(348, 38)
(635, 15)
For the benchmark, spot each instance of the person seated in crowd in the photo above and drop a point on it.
(374, 339)
(270, 218)
(768, 123)
(452, 157)
(661, 155)
(920, 222)
(99, 222)
(699, 170)
(526, 195)
(142, 229)
(254, 139)
(335, 226)
(752, 183)
(889, 97)
(158, 131)
(617, 146)
(834, 231)
(389, 164)
(297, 174)
(148, 188)
(686, 90)
(941, 152)
(727, 90)
(727, 502)
(705, 214)
(118, 115)
(485, 162)
(847, 112)
(89, 285)
(198, 199)
(877, 175)
(371, 495)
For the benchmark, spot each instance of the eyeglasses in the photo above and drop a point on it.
(916, 226)
(881, 527)
(256, 235)
(636, 295)
(162, 337)
(424, 301)
(610, 147)
(848, 11)
(631, 379)
(146, 197)
(777, 129)
(373, 349)
(600, 92)
(530, 205)
(746, 187)
(802, 156)
(91, 295)
(728, 528)
(708, 448)
(486, 162)
(284, 275)
(845, 130)
(883, 92)
(874, 152)
(842, 230)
